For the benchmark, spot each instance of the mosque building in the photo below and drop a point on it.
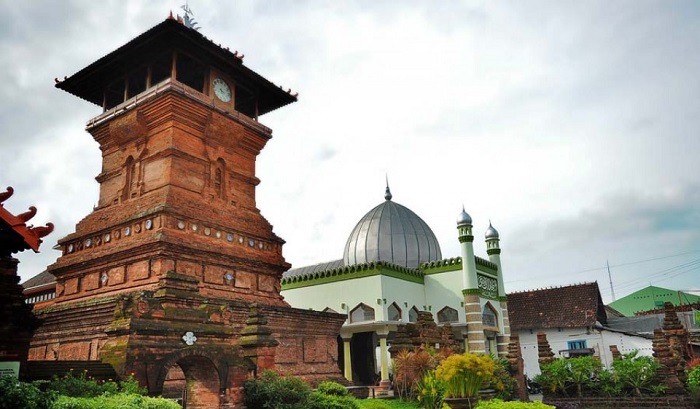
(391, 269)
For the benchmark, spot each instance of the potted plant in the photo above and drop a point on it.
(463, 376)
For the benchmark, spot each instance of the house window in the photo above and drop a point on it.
(362, 312)
(413, 314)
(447, 314)
(394, 312)
(580, 344)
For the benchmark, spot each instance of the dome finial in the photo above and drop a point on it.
(464, 217)
(491, 233)
(387, 192)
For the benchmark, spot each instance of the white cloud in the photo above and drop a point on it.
(545, 117)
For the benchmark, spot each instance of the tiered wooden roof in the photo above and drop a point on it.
(15, 235)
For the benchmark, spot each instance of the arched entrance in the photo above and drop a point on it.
(194, 381)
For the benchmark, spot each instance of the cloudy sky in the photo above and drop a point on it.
(573, 126)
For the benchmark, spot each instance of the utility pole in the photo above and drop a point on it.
(612, 290)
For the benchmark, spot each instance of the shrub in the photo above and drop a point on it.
(409, 369)
(332, 388)
(499, 404)
(116, 401)
(502, 382)
(430, 392)
(80, 385)
(694, 382)
(464, 375)
(319, 400)
(15, 394)
(272, 391)
(635, 372)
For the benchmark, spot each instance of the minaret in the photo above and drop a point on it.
(493, 249)
(470, 290)
(466, 240)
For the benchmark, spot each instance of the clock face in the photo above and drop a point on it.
(221, 90)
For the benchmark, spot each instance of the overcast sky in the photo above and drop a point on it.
(573, 126)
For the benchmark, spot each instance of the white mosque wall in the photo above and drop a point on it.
(377, 292)
(340, 296)
(405, 294)
(445, 290)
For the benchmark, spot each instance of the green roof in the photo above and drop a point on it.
(651, 298)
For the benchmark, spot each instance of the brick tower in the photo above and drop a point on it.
(158, 280)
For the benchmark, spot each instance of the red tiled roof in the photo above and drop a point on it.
(572, 306)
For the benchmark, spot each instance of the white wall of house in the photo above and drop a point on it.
(559, 340)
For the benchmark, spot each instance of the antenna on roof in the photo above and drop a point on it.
(189, 19)
(612, 290)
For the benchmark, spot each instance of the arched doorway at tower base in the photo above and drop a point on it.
(194, 381)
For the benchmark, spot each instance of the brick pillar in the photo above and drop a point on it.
(663, 354)
(476, 341)
(615, 352)
(517, 367)
(257, 341)
(544, 351)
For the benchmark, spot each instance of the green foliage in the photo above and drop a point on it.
(80, 385)
(332, 388)
(116, 401)
(583, 370)
(430, 391)
(555, 377)
(635, 372)
(272, 391)
(502, 382)
(694, 377)
(694, 382)
(319, 400)
(387, 404)
(631, 374)
(15, 394)
(608, 385)
(499, 404)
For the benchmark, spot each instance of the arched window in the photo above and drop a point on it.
(361, 313)
(129, 172)
(447, 314)
(413, 314)
(220, 178)
(394, 312)
(489, 317)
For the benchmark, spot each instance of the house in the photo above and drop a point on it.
(575, 321)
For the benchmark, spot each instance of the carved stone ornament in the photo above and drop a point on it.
(189, 338)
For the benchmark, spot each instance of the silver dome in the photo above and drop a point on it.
(393, 233)
(491, 233)
(464, 218)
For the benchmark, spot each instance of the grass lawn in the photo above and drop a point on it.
(387, 404)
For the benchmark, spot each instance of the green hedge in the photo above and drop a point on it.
(117, 401)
